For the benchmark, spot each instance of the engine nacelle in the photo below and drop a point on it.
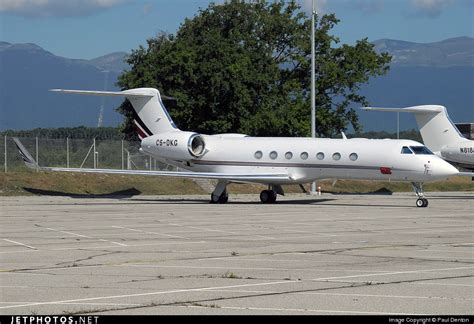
(175, 145)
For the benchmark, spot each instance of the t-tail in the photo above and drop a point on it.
(436, 128)
(150, 115)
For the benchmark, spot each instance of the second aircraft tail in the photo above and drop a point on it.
(436, 128)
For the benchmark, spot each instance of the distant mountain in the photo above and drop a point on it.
(447, 53)
(433, 73)
(112, 62)
(27, 72)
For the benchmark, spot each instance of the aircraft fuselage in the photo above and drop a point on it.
(305, 159)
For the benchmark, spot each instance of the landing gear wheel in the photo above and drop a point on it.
(418, 188)
(268, 196)
(421, 202)
(222, 199)
(273, 196)
(425, 202)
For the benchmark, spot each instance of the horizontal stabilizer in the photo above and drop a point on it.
(425, 109)
(126, 93)
(132, 93)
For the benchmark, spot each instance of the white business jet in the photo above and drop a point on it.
(273, 161)
(440, 135)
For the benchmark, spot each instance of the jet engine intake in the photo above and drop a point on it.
(175, 145)
(196, 145)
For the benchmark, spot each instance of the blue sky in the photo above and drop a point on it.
(91, 28)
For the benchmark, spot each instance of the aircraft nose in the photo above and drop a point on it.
(443, 169)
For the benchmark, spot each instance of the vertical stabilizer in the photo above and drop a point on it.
(436, 128)
(150, 115)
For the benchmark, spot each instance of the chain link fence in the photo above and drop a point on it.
(77, 153)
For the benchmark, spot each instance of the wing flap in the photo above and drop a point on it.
(194, 175)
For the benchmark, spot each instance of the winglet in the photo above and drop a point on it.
(25, 155)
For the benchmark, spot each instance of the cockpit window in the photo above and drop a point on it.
(421, 150)
(406, 150)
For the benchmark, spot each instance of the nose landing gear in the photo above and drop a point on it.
(421, 201)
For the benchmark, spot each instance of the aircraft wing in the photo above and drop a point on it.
(264, 178)
(466, 174)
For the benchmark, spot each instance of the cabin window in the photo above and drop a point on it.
(406, 150)
(353, 156)
(304, 155)
(258, 155)
(421, 150)
(273, 155)
(288, 155)
(336, 156)
(320, 156)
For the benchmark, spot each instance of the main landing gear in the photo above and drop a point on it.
(220, 199)
(421, 201)
(268, 196)
(220, 195)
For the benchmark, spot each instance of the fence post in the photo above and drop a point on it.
(6, 154)
(67, 152)
(95, 162)
(129, 165)
(37, 160)
(122, 157)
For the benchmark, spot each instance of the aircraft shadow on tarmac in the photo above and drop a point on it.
(231, 202)
(116, 194)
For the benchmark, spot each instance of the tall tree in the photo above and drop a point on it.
(245, 67)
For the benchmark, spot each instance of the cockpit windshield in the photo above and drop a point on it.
(406, 150)
(421, 150)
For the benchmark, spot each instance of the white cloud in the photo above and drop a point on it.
(430, 8)
(56, 8)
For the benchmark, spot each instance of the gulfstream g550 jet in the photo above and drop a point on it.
(273, 161)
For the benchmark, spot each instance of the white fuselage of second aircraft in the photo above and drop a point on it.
(303, 159)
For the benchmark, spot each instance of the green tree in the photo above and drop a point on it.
(245, 67)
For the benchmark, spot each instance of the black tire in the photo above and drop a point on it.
(265, 196)
(214, 199)
(273, 197)
(425, 202)
(420, 202)
(224, 198)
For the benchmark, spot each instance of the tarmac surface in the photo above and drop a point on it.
(304, 255)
